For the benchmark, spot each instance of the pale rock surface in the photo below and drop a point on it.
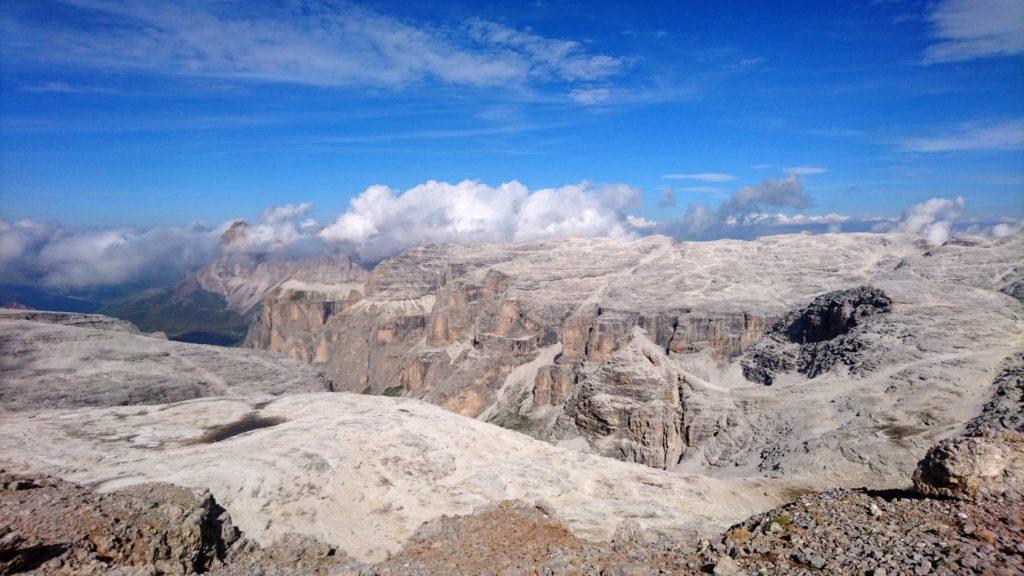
(449, 324)
(68, 360)
(75, 319)
(363, 472)
(637, 346)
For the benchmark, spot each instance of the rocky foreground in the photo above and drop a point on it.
(48, 526)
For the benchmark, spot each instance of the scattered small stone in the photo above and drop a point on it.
(726, 566)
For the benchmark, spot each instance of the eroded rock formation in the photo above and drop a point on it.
(814, 339)
(549, 337)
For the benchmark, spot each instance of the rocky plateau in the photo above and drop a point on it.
(836, 403)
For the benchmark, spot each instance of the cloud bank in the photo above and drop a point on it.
(48, 254)
(381, 222)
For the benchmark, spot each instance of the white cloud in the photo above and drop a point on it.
(969, 29)
(381, 222)
(701, 176)
(53, 255)
(990, 136)
(745, 209)
(640, 223)
(805, 170)
(933, 219)
(276, 228)
(937, 219)
(303, 42)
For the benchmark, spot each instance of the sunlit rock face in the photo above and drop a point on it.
(637, 346)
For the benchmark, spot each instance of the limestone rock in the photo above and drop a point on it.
(99, 361)
(1005, 412)
(76, 319)
(639, 406)
(817, 337)
(967, 467)
(533, 337)
(360, 472)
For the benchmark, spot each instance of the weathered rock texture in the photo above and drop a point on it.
(362, 472)
(988, 460)
(68, 360)
(638, 346)
(972, 466)
(48, 526)
(77, 320)
(815, 339)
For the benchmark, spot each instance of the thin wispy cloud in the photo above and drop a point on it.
(704, 189)
(303, 43)
(975, 136)
(805, 170)
(970, 29)
(701, 176)
(59, 87)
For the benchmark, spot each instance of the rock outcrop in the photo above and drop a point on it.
(48, 526)
(1005, 411)
(988, 460)
(640, 407)
(972, 466)
(814, 339)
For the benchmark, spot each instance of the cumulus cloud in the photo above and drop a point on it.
(933, 219)
(701, 176)
(938, 219)
(772, 193)
(277, 227)
(969, 29)
(382, 221)
(324, 44)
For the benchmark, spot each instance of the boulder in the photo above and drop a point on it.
(970, 466)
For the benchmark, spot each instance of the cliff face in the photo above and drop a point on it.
(636, 346)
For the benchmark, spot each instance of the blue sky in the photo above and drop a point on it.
(151, 114)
